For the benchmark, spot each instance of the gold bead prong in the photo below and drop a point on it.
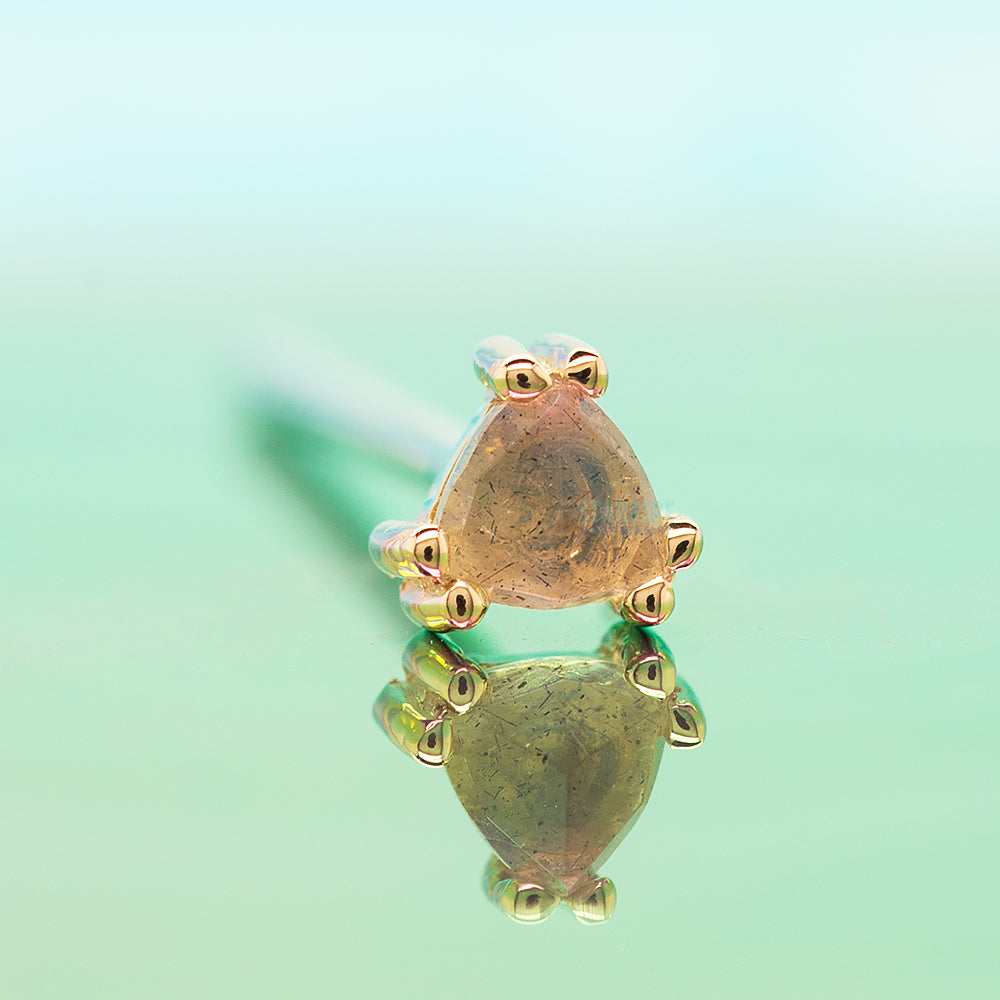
(513, 373)
(409, 549)
(523, 901)
(434, 747)
(596, 903)
(647, 662)
(426, 740)
(687, 725)
(573, 359)
(683, 542)
(445, 671)
(650, 603)
(442, 608)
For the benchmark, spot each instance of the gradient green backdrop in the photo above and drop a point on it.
(779, 222)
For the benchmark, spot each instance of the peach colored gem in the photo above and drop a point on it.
(547, 506)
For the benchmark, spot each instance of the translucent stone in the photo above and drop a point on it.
(547, 506)
(555, 765)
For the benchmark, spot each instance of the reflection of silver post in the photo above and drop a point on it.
(341, 400)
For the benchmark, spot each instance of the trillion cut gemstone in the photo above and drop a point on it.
(555, 765)
(547, 506)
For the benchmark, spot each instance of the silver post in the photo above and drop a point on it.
(335, 397)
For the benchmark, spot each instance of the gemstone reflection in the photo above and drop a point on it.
(555, 759)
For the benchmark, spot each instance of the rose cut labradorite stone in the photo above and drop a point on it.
(556, 763)
(547, 506)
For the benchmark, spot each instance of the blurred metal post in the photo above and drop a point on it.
(323, 392)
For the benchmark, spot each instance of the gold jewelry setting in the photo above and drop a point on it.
(553, 758)
(544, 504)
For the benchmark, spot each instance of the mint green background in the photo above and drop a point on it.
(781, 228)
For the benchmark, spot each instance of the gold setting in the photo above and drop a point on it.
(650, 603)
(575, 360)
(426, 740)
(687, 726)
(444, 671)
(409, 549)
(454, 605)
(683, 542)
(511, 372)
(597, 905)
(445, 584)
(525, 902)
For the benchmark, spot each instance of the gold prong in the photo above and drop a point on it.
(409, 549)
(503, 365)
(440, 608)
(650, 603)
(687, 725)
(596, 903)
(427, 741)
(648, 665)
(523, 901)
(683, 542)
(434, 747)
(687, 721)
(443, 669)
(575, 360)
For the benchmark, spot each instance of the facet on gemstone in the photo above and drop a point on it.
(546, 505)
(555, 765)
